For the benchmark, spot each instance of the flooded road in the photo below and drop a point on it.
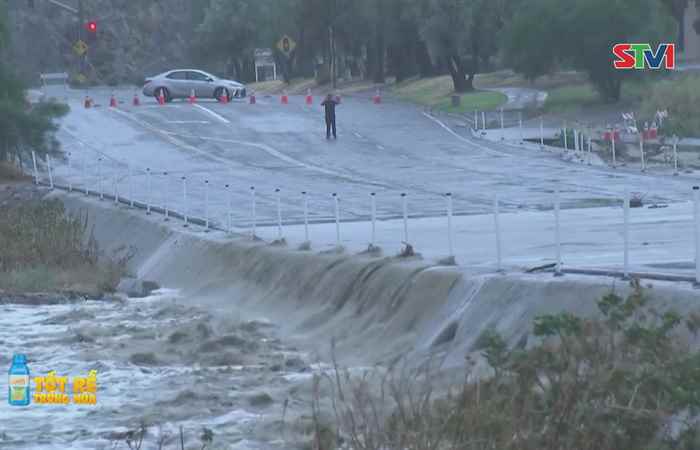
(160, 363)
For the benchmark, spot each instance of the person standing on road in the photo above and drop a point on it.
(330, 103)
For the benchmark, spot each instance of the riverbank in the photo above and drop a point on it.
(275, 322)
(46, 250)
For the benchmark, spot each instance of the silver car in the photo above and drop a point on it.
(181, 83)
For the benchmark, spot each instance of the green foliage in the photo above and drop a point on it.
(462, 34)
(580, 33)
(626, 379)
(4, 34)
(681, 97)
(23, 128)
(613, 383)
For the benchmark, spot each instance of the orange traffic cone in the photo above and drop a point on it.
(136, 101)
(377, 99)
(112, 102)
(224, 96)
(252, 99)
(88, 102)
(285, 98)
(309, 98)
(193, 97)
(161, 97)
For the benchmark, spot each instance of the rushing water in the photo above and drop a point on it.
(157, 361)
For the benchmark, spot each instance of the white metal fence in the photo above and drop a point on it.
(213, 203)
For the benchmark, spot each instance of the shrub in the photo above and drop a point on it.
(625, 380)
(681, 97)
(42, 234)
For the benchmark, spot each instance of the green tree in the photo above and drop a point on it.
(580, 33)
(232, 29)
(23, 127)
(463, 34)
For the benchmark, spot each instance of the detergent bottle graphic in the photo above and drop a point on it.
(19, 381)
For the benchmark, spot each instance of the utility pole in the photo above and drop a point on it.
(81, 24)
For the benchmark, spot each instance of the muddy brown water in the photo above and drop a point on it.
(159, 362)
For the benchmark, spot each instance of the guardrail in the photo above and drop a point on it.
(197, 195)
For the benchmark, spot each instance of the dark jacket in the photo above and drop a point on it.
(330, 105)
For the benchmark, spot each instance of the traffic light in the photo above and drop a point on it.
(91, 28)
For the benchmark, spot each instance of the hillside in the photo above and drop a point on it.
(134, 39)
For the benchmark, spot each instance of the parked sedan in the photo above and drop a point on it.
(181, 82)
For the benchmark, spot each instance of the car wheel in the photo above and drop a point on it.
(165, 93)
(220, 92)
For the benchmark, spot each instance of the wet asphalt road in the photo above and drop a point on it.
(387, 149)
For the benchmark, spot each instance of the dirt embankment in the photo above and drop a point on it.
(15, 192)
(44, 249)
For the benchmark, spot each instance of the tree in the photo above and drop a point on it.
(677, 8)
(462, 34)
(581, 33)
(535, 24)
(233, 28)
(23, 127)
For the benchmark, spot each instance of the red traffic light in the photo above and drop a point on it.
(91, 27)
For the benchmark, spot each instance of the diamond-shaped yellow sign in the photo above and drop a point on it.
(80, 48)
(286, 45)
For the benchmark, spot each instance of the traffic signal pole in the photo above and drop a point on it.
(81, 24)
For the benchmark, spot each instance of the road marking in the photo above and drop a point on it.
(188, 121)
(462, 138)
(269, 150)
(170, 137)
(358, 135)
(380, 147)
(212, 113)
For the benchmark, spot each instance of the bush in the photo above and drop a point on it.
(41, 234)
(622, 381)
(44, 249)
(681, 97)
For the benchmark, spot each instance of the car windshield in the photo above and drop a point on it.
(350, 224)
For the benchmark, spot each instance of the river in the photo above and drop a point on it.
(160, 362)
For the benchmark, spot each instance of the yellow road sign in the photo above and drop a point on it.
(286, 45)
(81, 78)
(80, 48)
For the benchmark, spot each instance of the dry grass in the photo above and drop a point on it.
(45, 249)
(9, 172)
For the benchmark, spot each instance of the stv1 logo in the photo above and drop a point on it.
(642, 56)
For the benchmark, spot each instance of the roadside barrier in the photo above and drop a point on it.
(196, 206)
